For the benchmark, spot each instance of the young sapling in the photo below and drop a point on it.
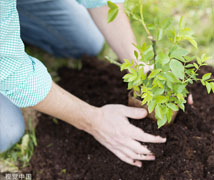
(163, 90)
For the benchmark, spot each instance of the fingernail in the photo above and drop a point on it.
(153, 157)
(139, 165)
(162, 139)
(143, 111)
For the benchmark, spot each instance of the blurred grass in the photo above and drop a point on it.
(20, 154)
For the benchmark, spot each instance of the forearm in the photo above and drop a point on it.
(63, 105)
(108, 124)
(118, 33)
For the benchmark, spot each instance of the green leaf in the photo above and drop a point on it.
(186, 32)
(160, 84)
(151, 106)
(209, 88)
(160, 34)
(112, 5)
(172, 106)
(189, 66)
(24, 143)
(136, 54)
(162, 58)
(192, 41)
(169, 84)
(181, 23)
(177, 68)
(125, 65)
(198, 61)
(148, 53)
(180, 97)
(141, 72)
(130, 85)
(171, 77)
(172, 35)
(137, 81)
(158, 112)
(212, 86)
(179, 88)
(204, 58)
(113, 11)
(181, 105)
(189, 59)
(178, 53)
(154, 73)
(129, 77)
(202, 82)
(206, 76)
(165, 68)
(169, 115)
(159, 77)
(196, 66)
(161, 122)
(161, 99)
(157, 91)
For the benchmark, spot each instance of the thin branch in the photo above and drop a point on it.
(150, 37)
(112, 61)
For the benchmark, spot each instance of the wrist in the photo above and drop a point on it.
(91, 118)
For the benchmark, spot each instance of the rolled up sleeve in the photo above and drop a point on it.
(97, 3)
(23, 79)
(28, 85)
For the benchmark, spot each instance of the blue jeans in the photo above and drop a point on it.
(12, 125)
(61, 27)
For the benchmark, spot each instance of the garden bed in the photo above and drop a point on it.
(64, 152)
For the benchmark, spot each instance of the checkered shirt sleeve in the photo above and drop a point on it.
(23, 79)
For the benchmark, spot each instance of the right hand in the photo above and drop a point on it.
(113, 130)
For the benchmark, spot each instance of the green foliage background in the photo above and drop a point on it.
(198, 15)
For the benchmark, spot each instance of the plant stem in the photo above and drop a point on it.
(150, 37)
(113, 61)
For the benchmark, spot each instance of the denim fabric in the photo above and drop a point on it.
(61, 27)
(12, 124)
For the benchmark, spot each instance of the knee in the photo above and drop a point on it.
(12, 125)
(95, 46)
(87, 44)
(11, 134)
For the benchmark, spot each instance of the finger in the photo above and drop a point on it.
(127, 159)
(133, 112)
(140, 135)
(136, 156)
(190, 100)
(137, 147)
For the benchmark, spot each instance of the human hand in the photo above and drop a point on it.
(113, 130)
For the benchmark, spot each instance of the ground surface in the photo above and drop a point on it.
(63, 152)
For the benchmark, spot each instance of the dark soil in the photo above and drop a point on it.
(65, 153)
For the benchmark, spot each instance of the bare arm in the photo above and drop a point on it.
(108, 124)
(118, 33)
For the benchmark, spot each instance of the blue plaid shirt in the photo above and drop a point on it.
(23, 79)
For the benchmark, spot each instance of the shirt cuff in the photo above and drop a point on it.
(97, 3)
(35, 87)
